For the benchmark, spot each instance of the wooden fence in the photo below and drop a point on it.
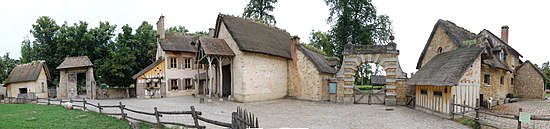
(241, 119)
(478, 111)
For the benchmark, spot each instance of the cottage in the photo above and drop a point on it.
(530, 81)
(172, 74)
(461, 66)
(30, 78)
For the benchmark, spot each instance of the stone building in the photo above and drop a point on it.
(240, 59)
(76, 78)
(172, 73)
(30, 78)
(529, 81)
(473, 67)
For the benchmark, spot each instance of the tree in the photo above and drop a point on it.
(321, 40)
(357, 19)
(118, 67)
(6, 65)
(259, 10)
(176, 30)
(146, 43)
(45, 46)
(545, 69)
(27, 52)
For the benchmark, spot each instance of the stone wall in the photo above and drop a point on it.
(256, 76)
(112, 93)
(495, 89)
(312, 85)
(439, 39)
(529, 83)
(403, 91)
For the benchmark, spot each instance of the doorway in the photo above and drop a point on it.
(226, 70)
(23, 90)
(81, 85)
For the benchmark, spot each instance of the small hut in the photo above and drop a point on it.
(70, 70)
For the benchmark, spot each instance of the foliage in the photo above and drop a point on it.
(470, 122)
(357, 20)
(259, 11)
(367, 88)
(472, 42)
(545, 69)
(321, 40)
(43, 116)
(6, 65)
(176, 30)
(115, 61)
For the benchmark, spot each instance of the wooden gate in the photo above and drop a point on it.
(371, 97)
(72, 87)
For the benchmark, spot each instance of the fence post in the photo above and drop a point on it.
(463, 108)
(122, 110)
(99, 107)
(194, 114)
(452, 110)
(157, 117)
(48, 101)
(60, 101)
(519, 122)
(84, 103)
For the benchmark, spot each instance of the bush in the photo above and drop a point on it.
(470, 122)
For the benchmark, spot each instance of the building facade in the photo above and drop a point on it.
(30, 78)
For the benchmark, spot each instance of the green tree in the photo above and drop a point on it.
(27, 52)
(321, 40)
(6, 65)
(176, 30)
(45, 46)
(200, 34)
(259, 10)
(145, 45)
(545, 69)
(357, 19)
(118, 67)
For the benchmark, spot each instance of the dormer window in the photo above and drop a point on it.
(501, 55)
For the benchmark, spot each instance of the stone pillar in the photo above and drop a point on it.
(90, 83)
(220, 60)
(294, 79)
(209, 79)
(62, 86)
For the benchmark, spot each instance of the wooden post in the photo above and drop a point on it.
(220, 81)
(84, 104)
(99, 107)
(122, 110)
(463, 108)
(48, 101)
(194, 114)
(157, 116)
(60, 101)
(519, 122)
(451, 109)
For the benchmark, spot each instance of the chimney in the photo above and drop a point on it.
(160, 27)
(211, 32)
(504, 33)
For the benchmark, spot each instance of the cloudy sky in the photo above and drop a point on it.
(412, 20)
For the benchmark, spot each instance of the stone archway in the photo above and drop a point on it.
(384, 55)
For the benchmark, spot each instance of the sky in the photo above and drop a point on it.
(412, 21)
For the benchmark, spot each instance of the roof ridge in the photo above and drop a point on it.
(252, 20)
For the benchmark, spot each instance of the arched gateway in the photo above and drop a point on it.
(384, 55)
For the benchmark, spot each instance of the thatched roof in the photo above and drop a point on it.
(447, 68)
(456, 33)
(215, 46)
(378, 80)
(256, 37)
(536, 69)
(27, 72)
(318, 59)
(497, 42)
(495, 63)
(147, 68)
(177, 42)
(75, 62)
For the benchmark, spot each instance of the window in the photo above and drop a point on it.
(424, 92)
(173, 62)
(501, 80)
(173, 84)
(188, 84)
(200, 66)
(512, 81)
(43, 88)
(487, 79)
(188, 63)
(438, 93)
(439, 49)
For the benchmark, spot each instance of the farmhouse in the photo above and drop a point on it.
(240, 59)
(461, 66)
(28, 79)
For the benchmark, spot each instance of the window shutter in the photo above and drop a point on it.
(180, 84)
(191, 62)
(180, 62)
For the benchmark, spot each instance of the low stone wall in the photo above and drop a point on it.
(112, 93)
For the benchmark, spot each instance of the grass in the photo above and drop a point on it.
(49, 116)
(470, 122)
(367, 88)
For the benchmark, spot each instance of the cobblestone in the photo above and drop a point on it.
(292, 113)
(540, 108)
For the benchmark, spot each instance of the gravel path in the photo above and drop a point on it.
(292, 113)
